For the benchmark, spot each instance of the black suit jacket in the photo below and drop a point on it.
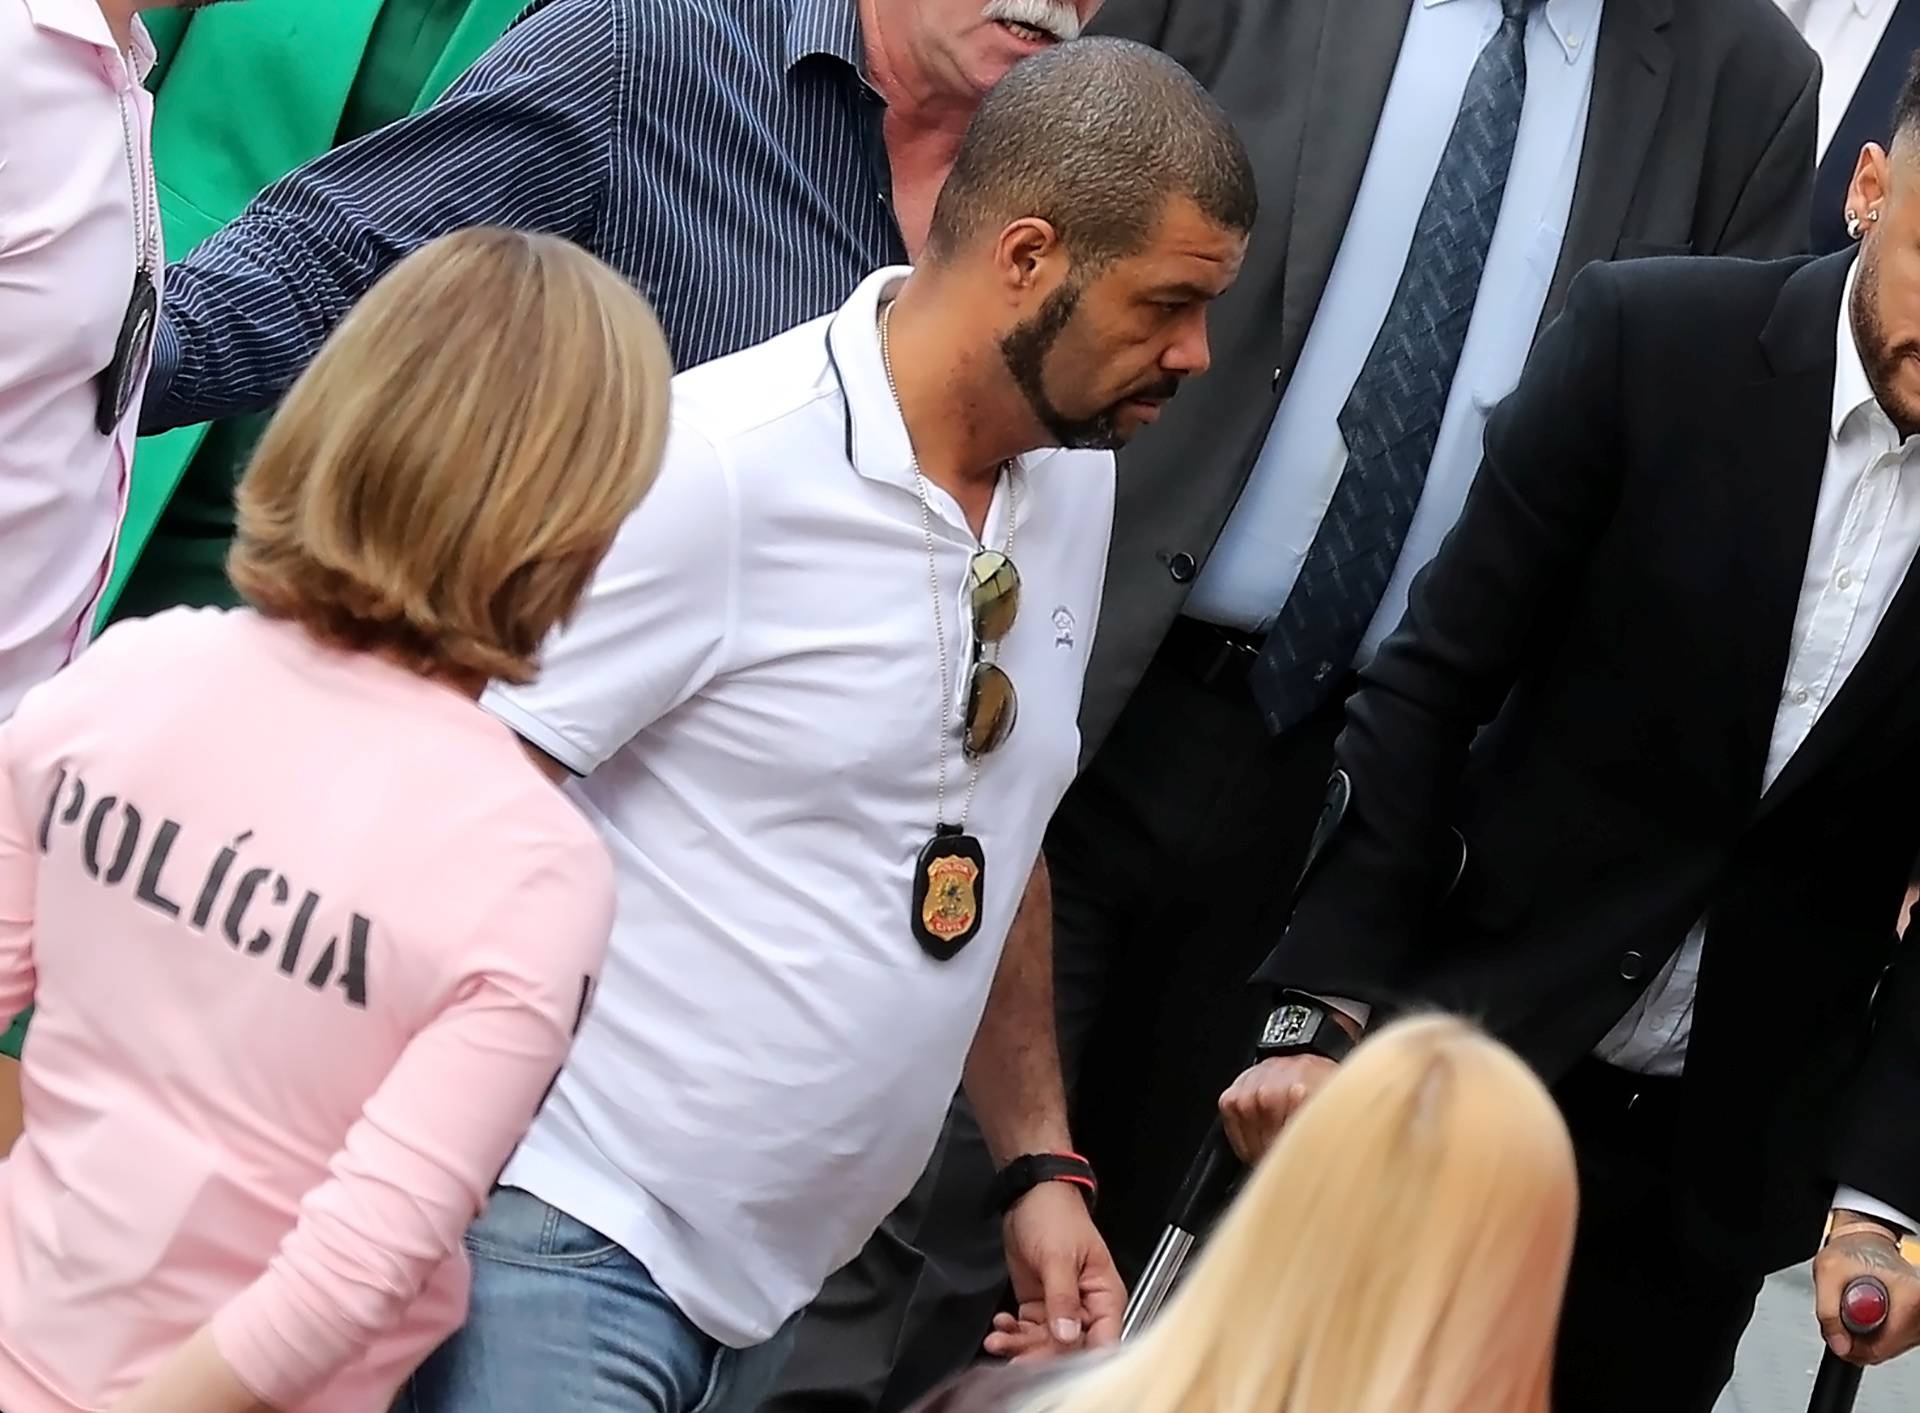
(1700, 138)
(1614, 607)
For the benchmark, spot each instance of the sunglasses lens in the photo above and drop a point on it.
(993, 585)
(992, 706)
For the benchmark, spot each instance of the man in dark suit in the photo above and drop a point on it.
(1265, 537)
(1634, 783)
(1588, 129)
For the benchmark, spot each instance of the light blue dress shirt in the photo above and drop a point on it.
(1257, 558)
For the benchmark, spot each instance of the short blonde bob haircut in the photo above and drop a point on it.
(1403, 1249)
(442, 482)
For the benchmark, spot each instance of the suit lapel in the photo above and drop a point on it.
(1890, 660)
(1352, 70)
(1629, 90)
(1789, 419)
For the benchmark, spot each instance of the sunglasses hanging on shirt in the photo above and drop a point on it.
(949, 877)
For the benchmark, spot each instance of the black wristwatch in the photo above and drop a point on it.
(1025, 1173)
(1302, 1025)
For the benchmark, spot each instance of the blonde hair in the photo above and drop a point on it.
(1403, 1249)
(442, 482)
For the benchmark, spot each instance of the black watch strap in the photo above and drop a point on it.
(1303, 1025)
(1027, 1172)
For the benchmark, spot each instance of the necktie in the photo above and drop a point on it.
(1869, 118)
(1391, 419)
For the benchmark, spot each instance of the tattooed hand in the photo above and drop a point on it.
(1866, 1247)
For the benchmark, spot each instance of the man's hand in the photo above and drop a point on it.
(1071, 1296)
(1257, 1105)
(1864, 1247)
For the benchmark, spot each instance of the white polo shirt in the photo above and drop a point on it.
(752, 693)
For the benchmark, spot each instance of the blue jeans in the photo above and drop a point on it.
(564, 1321)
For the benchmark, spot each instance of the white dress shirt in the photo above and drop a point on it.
(1257, 558)
(752, 693)
(1844, 33)
(1866, 527)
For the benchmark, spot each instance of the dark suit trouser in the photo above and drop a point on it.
(1172, 860)
(1652, 1321)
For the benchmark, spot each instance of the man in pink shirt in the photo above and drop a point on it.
(80, 266)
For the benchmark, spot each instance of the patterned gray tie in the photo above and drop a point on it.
(1392, 417)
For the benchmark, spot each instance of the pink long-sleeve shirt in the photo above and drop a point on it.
(308, 938)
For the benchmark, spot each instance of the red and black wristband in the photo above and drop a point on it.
(1027, 1172)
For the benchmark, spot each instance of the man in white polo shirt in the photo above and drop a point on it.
(790, 697)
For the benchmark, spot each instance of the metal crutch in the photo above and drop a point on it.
(1204, 1193)
(1864, 1305)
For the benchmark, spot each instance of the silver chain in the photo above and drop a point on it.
(144, 231)
(933, 583)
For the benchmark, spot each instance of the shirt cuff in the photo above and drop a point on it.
(162, 367)
(1854, 1200)
(1359, 1012)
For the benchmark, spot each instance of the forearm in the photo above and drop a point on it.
(248, 309)
(194, 1379)
(1013, 1071)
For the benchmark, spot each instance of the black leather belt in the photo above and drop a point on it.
(1211, 655)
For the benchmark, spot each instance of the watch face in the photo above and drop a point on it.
(1291, 1024)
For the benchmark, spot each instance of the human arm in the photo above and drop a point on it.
(194, 1377)
(1878, 1153)
(1059, 1264)
(653, 628)
(1478, 617)
(1863, 1244)
(416, 1167)
(525, 140)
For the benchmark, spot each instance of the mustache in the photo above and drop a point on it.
(1057, 17)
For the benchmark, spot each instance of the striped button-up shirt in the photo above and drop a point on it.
(724, 155)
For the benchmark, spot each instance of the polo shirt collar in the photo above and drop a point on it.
(877, 443)
(828, 27)
(82, 20)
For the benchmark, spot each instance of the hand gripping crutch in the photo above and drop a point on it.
(1863, 1309)
(1215, 1172)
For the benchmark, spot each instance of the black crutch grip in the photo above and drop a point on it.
(1864, 1305)
(1209, 1184)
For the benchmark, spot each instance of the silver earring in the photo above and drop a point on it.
(1873, 215)
(1853, 225)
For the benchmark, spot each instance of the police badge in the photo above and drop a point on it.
(946, 892)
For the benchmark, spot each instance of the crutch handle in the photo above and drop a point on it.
(1208, 1185)
(1864, 1306)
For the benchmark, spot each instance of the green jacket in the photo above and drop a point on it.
(243, 95)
